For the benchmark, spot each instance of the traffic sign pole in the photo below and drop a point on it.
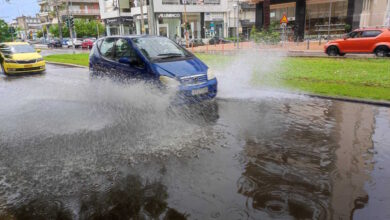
(283, 25)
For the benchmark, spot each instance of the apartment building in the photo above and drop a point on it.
(27, 27)
(88, 9)
(117, 16)
(206, 18)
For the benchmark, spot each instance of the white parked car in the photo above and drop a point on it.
(77, 43)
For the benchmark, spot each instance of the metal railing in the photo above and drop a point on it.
(191, 2)
(91, 12)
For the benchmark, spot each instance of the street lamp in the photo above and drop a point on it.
(235, 6)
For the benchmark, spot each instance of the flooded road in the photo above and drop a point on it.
(75, 149)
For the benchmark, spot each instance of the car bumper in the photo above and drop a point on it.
(187, 94)
(15, 68)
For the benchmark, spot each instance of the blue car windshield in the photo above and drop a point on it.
(159, 48)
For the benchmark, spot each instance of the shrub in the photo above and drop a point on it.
(270, 36)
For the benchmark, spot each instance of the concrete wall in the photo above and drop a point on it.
(374, 13)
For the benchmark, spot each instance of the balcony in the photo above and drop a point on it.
(81, 1)
(191, 2)
(89, 12)
(41, 2)
(43, 14)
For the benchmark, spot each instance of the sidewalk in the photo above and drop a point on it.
(292, 49)
(286, 47)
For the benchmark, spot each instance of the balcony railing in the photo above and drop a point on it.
(89, 12)
(191, 2)
(65, 1)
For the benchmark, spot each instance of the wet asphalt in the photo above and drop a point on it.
(72, 148)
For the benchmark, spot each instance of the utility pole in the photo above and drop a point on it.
(152, 17)
(142, 17)
(237, 6)
(185, 22)
(70, 26)
(119, 15)
(59, 19)
(330, 16)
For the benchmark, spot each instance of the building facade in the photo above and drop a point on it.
(27, 27)
(375, 13)
(88, 9)
(224, 18)
(117, 17)
(205, 18)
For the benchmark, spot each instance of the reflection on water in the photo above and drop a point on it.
(127, 198)
(313, 163)
(106, 154)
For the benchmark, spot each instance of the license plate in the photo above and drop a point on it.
(27, 66)
(200, 91)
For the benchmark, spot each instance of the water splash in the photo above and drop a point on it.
(235, 80)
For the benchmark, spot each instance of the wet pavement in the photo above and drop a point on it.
(71, 148)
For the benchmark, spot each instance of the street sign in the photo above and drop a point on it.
(284, 20)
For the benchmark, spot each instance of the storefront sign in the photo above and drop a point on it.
(118, 20)
(169, 15)
(213, 16)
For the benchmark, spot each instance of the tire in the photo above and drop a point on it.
(332, 51)
(381, 51)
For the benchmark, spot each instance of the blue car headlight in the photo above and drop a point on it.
(169, 82)
(210, 74)
(39, 59)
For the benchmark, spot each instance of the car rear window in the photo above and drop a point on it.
(371, 33)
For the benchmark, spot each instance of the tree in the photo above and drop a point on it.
(5, 35)
(54, 31)
(85, 28)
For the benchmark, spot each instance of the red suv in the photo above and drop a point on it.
(373, 40)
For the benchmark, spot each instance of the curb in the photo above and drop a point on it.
(347, 99)
(65, 64)
(335, 98)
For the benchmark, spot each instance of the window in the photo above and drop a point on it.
(107, 48)
(371, 33)
(355, 34)
(158, 48)
(124, 49)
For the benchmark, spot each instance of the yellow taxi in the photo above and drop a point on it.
(20, 57)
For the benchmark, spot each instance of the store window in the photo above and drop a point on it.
(317, 19)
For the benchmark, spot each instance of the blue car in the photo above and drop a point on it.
(156, 59)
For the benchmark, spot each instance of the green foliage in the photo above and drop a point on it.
(234, 39)
(269, 36)
(39, 34)
(348, 28)
(5, 35)
(54, 31)
(85, 28)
